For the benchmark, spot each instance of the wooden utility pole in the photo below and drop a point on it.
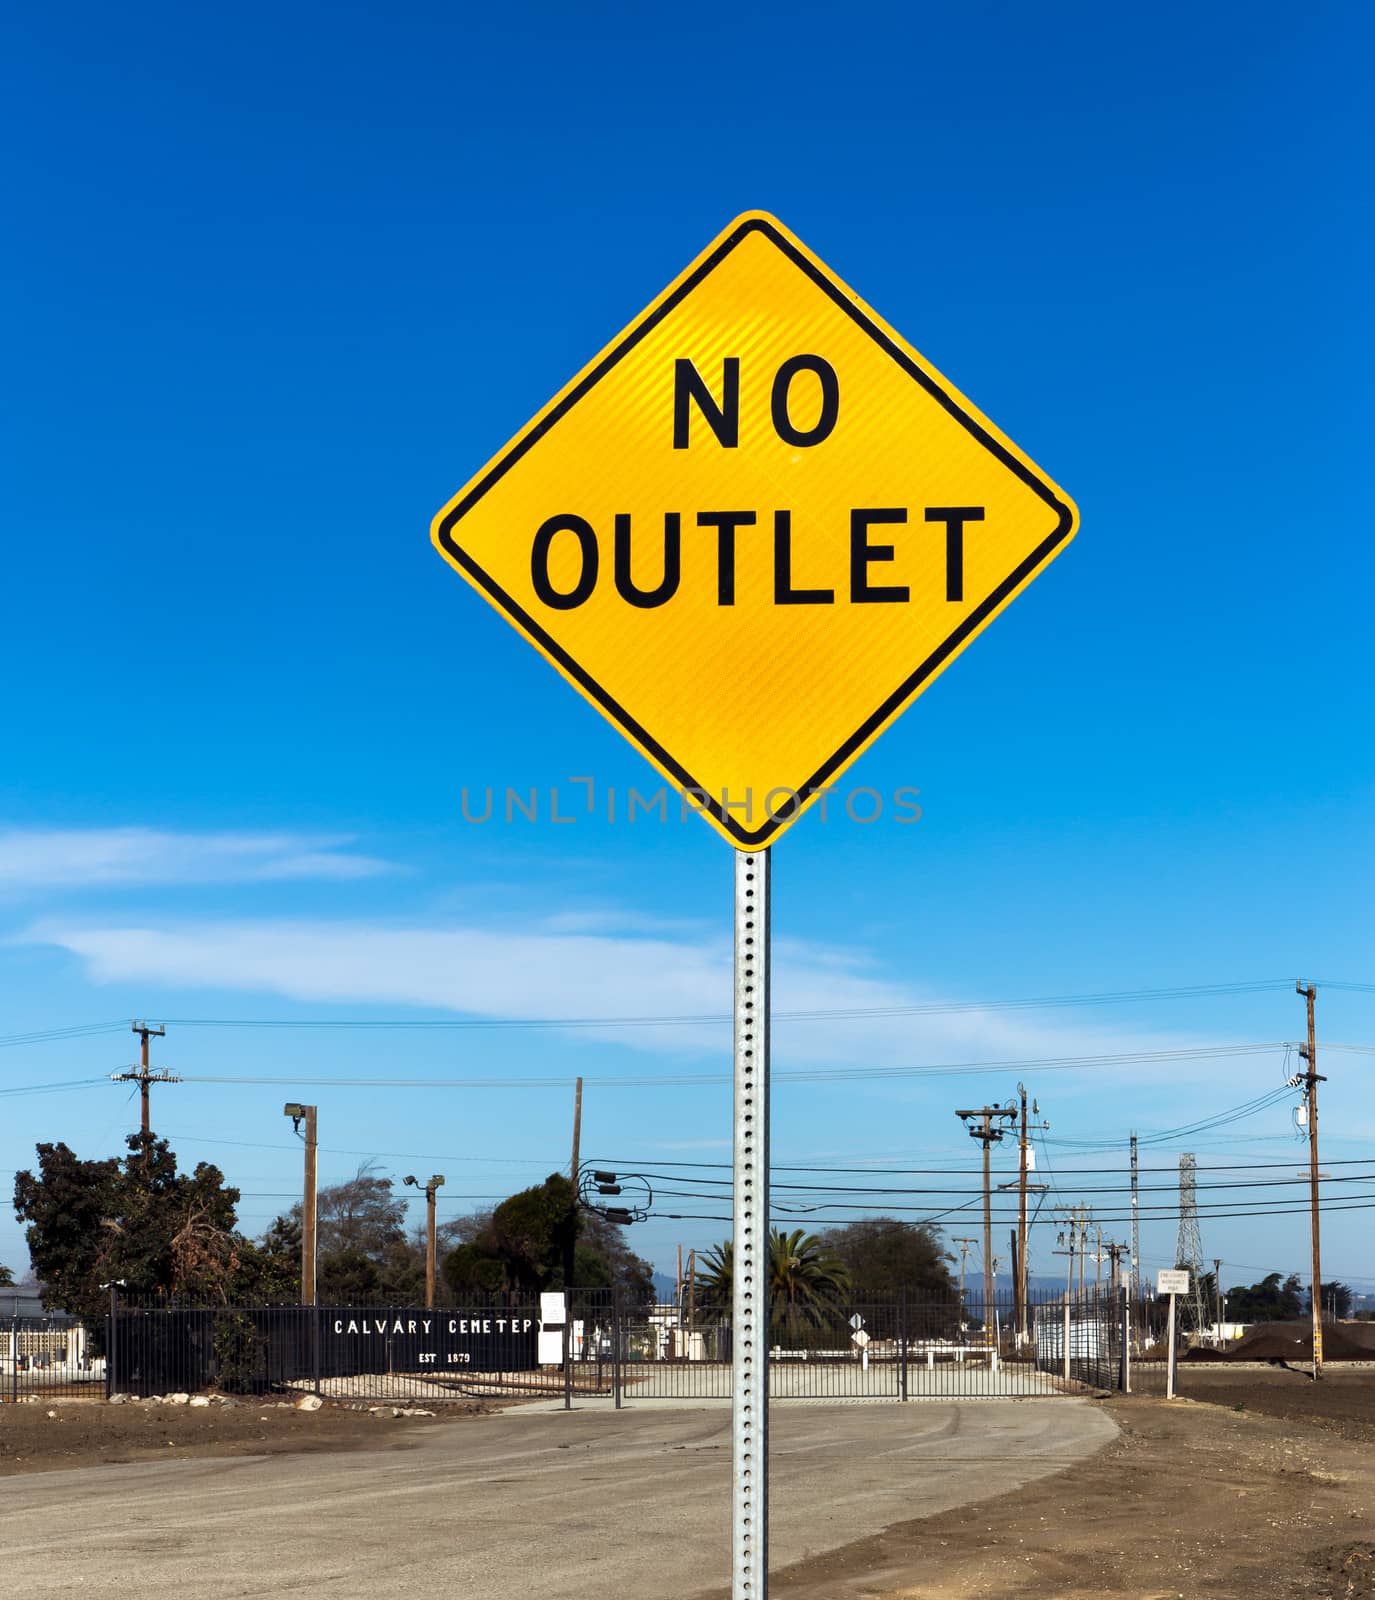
(984, 1130)
(307, 1114)
(1115, 1253)
(1078, 1234)
(964, 1243)
(1068, 1252)
(1016, 1281)
(143, 1075)
(1019, 1268)
(432, 1188)
(1311, 1079)
(1083, 1243)
(577, 1135)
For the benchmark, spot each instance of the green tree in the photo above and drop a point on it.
(279, 1254)
(807, 1284)
(1336, 1300)
(138, 1220)
(6, 1277)
(604, 1257)
(364, 1255)
(363, 1213)
(535, 1231)
(1273, 1299)
(475, 1273)
(533, 1240)
(882, 1254)
(66, 1205)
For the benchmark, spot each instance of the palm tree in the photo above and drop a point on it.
(805, 1281)
(713, 1280)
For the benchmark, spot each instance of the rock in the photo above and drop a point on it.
(200, 1400)
(120, 1399)
(416, 1411)
(309, 1402)
(52, 1413)
(178, 1399)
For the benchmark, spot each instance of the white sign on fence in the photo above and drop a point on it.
(553, 1309)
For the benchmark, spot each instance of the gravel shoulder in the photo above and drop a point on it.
(55, 1434)
(1190, 1500)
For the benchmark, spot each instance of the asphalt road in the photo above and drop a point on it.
(545, 1507)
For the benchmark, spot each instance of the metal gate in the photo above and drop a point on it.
(46, 1358)
(895, 1347)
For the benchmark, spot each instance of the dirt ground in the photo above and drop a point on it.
(85, 1433)
(1342, 1403)
(1260, 1484)
(1275, 1501)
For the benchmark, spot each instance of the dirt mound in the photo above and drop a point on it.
(1293, 1341)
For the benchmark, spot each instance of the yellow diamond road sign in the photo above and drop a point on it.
(754, 529)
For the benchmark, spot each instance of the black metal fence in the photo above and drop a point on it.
(48, 1358)
(1082, 1340)
(896, 1346)
(341, 1352)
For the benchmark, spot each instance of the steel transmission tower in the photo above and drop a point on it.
(1188, 1251)
(1134, 1283)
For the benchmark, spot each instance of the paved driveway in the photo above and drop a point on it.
(587, 1506)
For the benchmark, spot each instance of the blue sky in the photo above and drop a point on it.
(278, 283)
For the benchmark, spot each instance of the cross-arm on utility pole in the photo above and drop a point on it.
(144, 1075)
(980, 1123)
(1310, 1081)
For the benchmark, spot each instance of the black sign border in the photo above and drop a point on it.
(754, 839)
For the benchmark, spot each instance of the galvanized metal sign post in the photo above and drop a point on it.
(1173, 1282)
(751, 532)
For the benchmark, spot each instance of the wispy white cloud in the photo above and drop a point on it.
(53, 858)
(545, 972)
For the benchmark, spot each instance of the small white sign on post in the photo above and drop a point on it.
(550, 1352)
(553, 1309)
(1171, 1281)
(856, 1322)
(860, 1338)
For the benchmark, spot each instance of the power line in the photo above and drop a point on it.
(796, 1075)
(398, 1155)
(1079, 1189)
(839, 1014)
(78, 1030)
(1363, 1204)
(845, 1013)
(53, 1088)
